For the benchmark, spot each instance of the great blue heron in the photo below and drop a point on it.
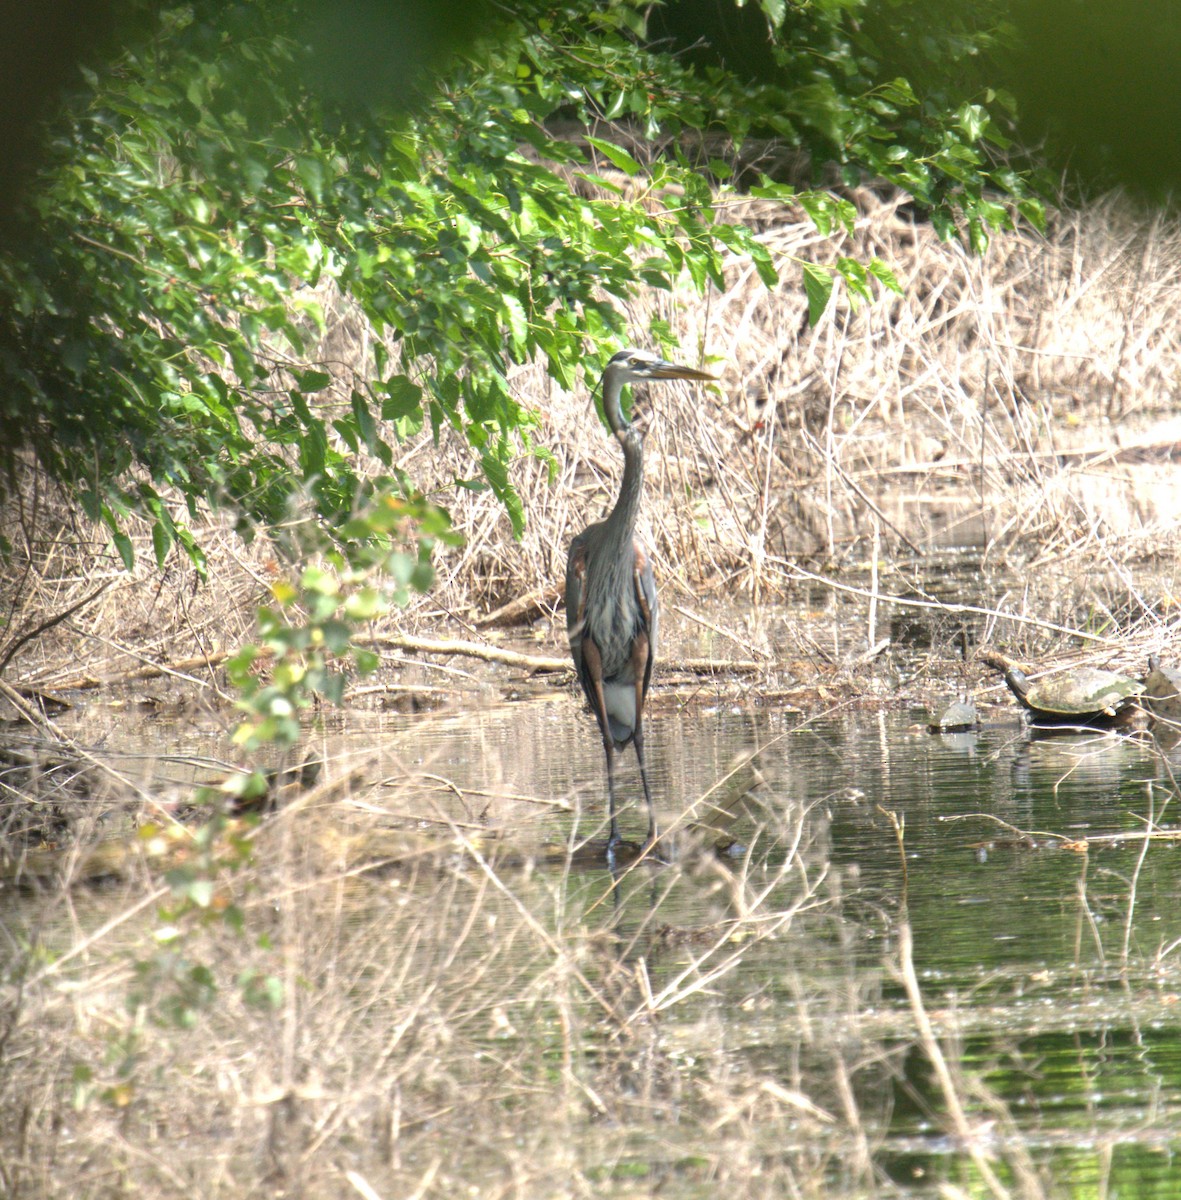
(611, 591)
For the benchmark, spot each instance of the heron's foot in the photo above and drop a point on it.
(653, 851)
(621, 853)
(614, 843)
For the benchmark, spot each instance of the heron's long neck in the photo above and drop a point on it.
(612, 401)
(621, 524)
(619, 528)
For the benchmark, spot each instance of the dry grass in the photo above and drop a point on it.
(1006, 389)
(467, 1015)
(456, 1027)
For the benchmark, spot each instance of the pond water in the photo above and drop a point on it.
(761, 966)
(1052, 974)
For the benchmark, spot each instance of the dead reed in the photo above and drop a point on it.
(1026, 394)
(438, 1012)
(462, 1021)
(451, 1025)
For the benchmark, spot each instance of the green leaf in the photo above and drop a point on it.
(91, 503)
(364, 605)
(161, 541)
(899, 91)
(364, 419)
(944, 223)
(973, 119)
(310, 382)
(617, 156)
(820, 208)
(404, 399)
(769, 190)
(853, 271)
(818, 285)
(1034, 212)
(763, 264)
(880, 271)
(496, 472)
(518, 323)
(166, 295)
(312, 175)
(125, 548)
(366, 661)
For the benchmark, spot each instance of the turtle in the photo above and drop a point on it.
(1084, 696)
(958, 717)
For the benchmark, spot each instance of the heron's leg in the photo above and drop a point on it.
(594, 667)
(640, 649)
(613, 839)
(638, 742)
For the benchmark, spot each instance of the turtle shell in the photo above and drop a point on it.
(958, 717)
(1083, 692)
(1084, 696)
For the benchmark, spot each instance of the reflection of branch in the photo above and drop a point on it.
(1080, 842)
(28, 711)
(750, 928)
(957, 1116)
(1151, 822)
(898, 824)
(1015, 830)
(938, 1060)
(24, 638)
(37, 719)
(947, 609)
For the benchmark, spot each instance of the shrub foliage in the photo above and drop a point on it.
(204, 188)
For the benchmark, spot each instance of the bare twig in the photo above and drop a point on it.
(41, 627)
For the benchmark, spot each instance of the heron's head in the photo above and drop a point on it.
(636, 366)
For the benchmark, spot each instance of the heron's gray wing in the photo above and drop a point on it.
(587, 663)
(646, 597)
(576, 598)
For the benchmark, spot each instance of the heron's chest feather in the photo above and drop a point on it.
(617, 612)
(613, 621)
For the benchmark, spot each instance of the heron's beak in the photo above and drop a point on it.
(668, 370)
